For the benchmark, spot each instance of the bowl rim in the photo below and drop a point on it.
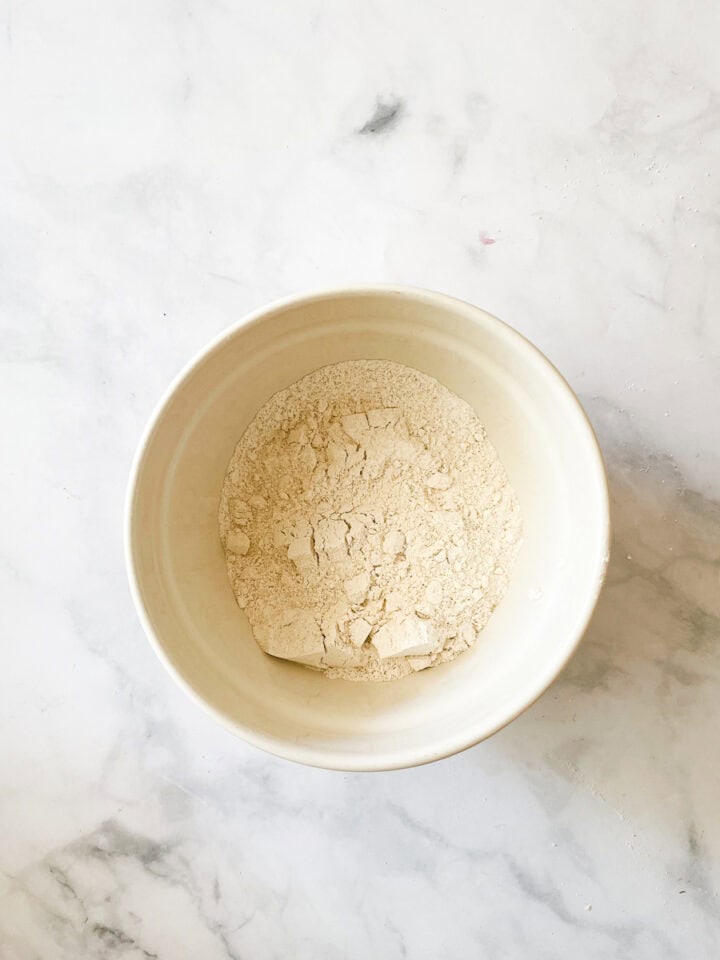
(333, 759)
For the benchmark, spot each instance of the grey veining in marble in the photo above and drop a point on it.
(165, 168)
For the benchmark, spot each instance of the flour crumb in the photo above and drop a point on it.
(369, 527)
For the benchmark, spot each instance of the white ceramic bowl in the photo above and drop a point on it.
(177, 568)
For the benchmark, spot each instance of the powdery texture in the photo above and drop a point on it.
(368, 525)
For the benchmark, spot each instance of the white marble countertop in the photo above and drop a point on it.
(166, 168)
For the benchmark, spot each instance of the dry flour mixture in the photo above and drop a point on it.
(368, 525)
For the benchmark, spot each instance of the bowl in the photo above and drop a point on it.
(177, 567)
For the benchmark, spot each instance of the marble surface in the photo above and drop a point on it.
(167, 166)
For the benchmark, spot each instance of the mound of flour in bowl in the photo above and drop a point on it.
(369, 527)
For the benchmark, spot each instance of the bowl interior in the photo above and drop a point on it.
(178, 568)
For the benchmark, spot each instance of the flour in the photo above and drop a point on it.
(368, 525)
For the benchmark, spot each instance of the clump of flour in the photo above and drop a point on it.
(368, 525)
